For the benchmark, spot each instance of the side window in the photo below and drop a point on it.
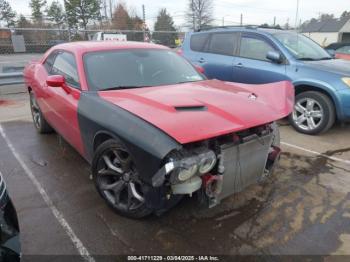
(198, 41)
(223, 43)
(49, 61)
(254, 48)
(65, 65)
(344, 50)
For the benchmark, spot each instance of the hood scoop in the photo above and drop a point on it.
(191, 108)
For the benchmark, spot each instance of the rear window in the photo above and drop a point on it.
(198, 42)
(223, 43)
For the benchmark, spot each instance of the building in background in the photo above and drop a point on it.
(328, 31)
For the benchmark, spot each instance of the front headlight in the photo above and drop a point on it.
(346, 80)
(207, 162)
(197, 162)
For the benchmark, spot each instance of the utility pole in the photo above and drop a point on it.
(110, 9)
(144, 22)
(100, 13)
(193, 16)
(296, 15)
(241, 21)
(274, 21)
(105, 9)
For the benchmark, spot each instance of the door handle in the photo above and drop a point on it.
(239, 65)
(201, 60)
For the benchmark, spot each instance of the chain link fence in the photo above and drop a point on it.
(38, 40)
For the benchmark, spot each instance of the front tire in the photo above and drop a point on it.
(313, 114)
(117, 180)
(40, 123)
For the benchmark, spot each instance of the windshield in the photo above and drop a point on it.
(301, 47)
(131, 68)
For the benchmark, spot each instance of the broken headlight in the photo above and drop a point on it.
(201, 162)
(207, 162)
(184, 165)
(187, 168)
(186, 173)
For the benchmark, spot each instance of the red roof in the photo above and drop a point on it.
(91, 46)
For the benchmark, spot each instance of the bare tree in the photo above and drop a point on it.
(199, 13)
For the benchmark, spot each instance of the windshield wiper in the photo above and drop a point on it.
(326, 58)
(187, 81)
(314, 59)
(306, 59)
(121, 87)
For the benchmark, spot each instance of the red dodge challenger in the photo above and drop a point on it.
(152, 126)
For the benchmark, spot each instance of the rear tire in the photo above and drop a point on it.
(40, 123)
(313, 114)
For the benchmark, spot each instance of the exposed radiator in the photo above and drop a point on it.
(244, 164)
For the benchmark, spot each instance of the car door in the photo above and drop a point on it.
(217, 58)
(63, 102)
(194, 45)
(41, 89)
(251, 65)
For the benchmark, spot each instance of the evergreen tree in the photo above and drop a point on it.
(23, 22)
(37, 6)
(345, 14)
(164, 23)
(81, 12)
(6, 13)
(55, 13)
(121, 19)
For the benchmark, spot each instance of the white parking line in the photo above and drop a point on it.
(317, 153)
(84, 253)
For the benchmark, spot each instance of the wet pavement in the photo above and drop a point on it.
(304, 208)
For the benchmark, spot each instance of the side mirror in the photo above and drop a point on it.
(55, 81)
(331, 52)
(274, 56)
(199, 69)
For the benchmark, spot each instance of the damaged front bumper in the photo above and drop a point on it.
(240, 161)
(244, 164)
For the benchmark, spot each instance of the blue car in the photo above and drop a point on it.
(259, 55)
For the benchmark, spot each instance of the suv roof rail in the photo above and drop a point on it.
(226, 27)
(237, 26)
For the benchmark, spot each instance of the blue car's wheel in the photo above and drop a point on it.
(313, 113)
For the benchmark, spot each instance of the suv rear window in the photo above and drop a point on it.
(223, 43)
(198, 42)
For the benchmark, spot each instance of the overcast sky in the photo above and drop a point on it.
(254, 11)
